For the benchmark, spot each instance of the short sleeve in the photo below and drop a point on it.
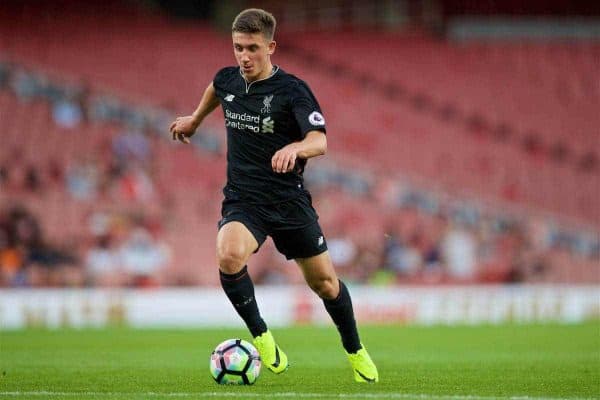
(221, 78)
(306, 109)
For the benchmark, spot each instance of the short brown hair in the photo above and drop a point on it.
(255, 20)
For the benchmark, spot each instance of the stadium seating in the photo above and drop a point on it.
(380, 95)
(547, 93)
(38, 141)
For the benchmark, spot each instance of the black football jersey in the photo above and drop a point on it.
(262, 117)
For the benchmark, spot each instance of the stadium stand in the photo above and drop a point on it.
(534, 99)
(510, 120)
(513, 128)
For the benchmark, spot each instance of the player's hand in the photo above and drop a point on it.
(183, 128)
(284, 160)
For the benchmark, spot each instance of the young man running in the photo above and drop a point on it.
(274, 125)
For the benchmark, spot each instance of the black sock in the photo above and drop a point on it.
(342, 314)
(240, 291)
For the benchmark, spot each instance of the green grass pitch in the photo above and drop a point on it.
(453, 363)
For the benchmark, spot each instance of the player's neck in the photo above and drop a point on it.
(266, 73)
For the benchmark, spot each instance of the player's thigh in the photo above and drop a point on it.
(235, 244)
(320, 274)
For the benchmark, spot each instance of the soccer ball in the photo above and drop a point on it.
(235, 362)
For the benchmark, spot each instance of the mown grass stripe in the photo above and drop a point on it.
(422, 396)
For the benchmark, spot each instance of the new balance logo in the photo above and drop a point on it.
(268, 125)
(244, 302)
(229, 97)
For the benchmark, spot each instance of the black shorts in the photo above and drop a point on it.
(292, 224)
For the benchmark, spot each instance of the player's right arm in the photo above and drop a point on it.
(184, 127)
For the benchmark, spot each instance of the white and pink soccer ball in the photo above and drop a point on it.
(235, 362)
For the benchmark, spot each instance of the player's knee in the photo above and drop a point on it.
(231, 259)
(325, 288)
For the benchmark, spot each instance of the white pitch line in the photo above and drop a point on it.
(405, 396)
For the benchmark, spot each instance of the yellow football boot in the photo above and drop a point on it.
(270, 354)
(364, 368)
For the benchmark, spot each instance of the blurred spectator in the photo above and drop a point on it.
(32, 178)
(103, 266)
(11, 260)
(367, 261)
(400, 256)
(135, 185)
(208, 139)
(130, 146)
(26, 258)
(5, 71)
(4, 176)
(459, 253)
(269, 268)
(342, 250)
(143, 258)
(431, 241)
(55, 173)
(25, 85)
(82, 179)
(66, 113)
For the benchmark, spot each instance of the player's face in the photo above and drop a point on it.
(253, 54)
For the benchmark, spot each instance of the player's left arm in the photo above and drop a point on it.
(314, 144)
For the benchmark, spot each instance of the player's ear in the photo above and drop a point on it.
(271, 47)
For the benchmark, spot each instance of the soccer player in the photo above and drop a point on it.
(274, 125)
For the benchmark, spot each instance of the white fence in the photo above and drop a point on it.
(286, 305)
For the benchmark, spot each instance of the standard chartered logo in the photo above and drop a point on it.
(249, 122)
(268, 125)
